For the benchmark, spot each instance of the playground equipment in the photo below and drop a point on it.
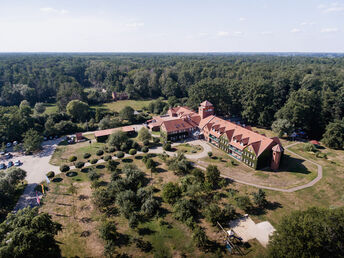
(231, 240)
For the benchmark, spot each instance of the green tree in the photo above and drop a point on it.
(200, 237)
(334, 135)
(244, 203)
(144, 134)
(171, 192)
(32, 140)
(212, 176)
(127, 113)
(259, 198)
(39, 108)
(315, 232)
(179, 164)
(78, 110)
(117, 139)
(29, 234)
(213, 213)
(282, 126)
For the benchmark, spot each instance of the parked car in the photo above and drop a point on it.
(8, 144)
(15, 143)
(8, 155)
(10, 164)
(45, 138)
(2, 166)
(2, 152)
(17, 163)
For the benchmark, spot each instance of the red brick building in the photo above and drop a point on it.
(239, 141)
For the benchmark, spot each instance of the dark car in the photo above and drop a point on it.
(2, 166)
(8, 155)
(10, 164)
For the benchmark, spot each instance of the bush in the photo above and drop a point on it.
(243, 203)
(146, 142)
(145, 149)
(210, 154)
(92, 175)
(99, 152)
(167, 146)
(132, 152)
(64, 168)
(72, 158)
(185, 210)
(310, 147)
(50, 174)
(133, 221)
(112, 149)
(199, 237)
(79, 164)
(120, 154)
(156, 140)
(94, 161)
(112, 165)
(107, 158)
(213, 213)
(87, 155)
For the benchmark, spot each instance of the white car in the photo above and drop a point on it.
(15, 143)
(17, 163)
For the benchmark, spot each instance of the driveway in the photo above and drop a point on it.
(36, 167)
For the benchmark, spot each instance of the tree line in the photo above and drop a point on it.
(305, 91)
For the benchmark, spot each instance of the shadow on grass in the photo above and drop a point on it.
(72, 174)
(57, 180)
(127, 160)
(160, 170)
(138, 157)
(292, 164)
(145, 231)
(85, 170)
(100, 166)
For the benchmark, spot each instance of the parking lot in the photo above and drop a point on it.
(36, 165)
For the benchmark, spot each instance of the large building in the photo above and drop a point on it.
(239, 141)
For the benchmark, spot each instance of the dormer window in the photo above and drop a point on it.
(234, 140)
(242, 144)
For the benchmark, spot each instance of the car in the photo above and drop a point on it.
(8, 155)
(10, 164)
(2, 166)
(2, 153)
(15, 143)
(8, 144)
(17, 163)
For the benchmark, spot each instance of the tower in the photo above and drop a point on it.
(277, 152)
(205, 109)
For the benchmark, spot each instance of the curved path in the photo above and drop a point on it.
(289, 190)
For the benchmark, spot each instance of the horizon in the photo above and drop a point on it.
(265, 26)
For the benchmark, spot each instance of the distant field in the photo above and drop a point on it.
(50, 108)
(118, 105)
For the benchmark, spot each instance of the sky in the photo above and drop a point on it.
(171, 26)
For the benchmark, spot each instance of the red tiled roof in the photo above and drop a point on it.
(206, 104)
(177, 125)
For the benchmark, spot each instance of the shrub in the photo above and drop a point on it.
(213, 213)
(94, 161)
(184, 210)
(72, 158)
(210, 154)
(243, 202)
(92, 175)
(79, 164)
(51, 174)
(107, 158)
(167, 146)
(87, 155)
(133, 220)
(99, 152)
(146, 142)
(112, 165)
(112, 149)
(156, 140)
(199, 237)
(120, 154)
(132, 152)
(64, 168)
(310, 147)
(145, 149)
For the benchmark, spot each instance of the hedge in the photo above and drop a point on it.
(132, 152)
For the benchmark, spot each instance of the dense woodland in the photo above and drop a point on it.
(304, 92)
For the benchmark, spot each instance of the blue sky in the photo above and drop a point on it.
(171, 26)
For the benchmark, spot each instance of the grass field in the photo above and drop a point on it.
(50, 108)
(118, 105)
(189, 148)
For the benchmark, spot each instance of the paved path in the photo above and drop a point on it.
(290, 190)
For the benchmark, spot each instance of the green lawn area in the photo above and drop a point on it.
(189, 148)
(118, 105)
(50, 108)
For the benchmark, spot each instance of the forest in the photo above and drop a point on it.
(299, 92)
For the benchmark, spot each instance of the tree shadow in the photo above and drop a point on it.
(122, 240)
(127, 160)
(72, 174)
(57, 180)
(145, 231)
(85, 170)
(139, 157)
(160, 170)
(273, 205)
(100, 166)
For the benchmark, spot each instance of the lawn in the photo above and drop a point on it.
(118, 105)
(188, 148)
(50, 108)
